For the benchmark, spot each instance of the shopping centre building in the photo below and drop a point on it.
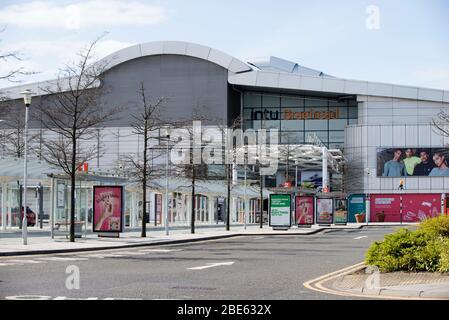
(360, 122)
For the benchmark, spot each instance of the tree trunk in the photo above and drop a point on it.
(144, 187)
(228, 202)
(192, 220)
(72, 191)
(261, 199)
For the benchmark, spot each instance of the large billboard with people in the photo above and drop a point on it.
(413, 162)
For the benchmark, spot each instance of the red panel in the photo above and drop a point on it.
(304, 210)
(415, 207)
(389, 203)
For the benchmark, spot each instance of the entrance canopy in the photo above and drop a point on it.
(12, 169)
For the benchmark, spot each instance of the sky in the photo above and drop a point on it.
(393, 41)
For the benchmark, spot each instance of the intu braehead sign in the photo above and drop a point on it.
(289, 114)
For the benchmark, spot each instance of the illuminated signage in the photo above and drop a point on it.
(289, 114)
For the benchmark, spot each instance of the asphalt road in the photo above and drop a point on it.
(256, 267)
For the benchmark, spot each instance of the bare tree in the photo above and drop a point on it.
(74, 112)
(146, 124)
(12, 134)
(191, 170)
(12, 74)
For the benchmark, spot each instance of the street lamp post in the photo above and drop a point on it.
(27, 100)
(166, 183)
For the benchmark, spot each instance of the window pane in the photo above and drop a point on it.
(270, 101)
(316, 125)
(337, 124)
(292, 137)
(292, 102)
(292, 125)
(353, 112)
(252, 100)
(322, 135)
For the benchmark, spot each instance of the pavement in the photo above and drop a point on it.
(40, 242)
(363, 281)
(251, 267)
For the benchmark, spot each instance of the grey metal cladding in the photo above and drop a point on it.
(186, 83)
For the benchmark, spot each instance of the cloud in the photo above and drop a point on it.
(47, 57)
(82, 14)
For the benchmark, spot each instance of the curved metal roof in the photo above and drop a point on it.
(177, 48)
(234, 65)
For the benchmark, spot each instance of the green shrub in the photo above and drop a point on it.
(425, 249)
(436, 227)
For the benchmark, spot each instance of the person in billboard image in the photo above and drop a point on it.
(410, 161)
(394, 167)
(305, 211)
(441, 169)
(425, 166)
(106, 219)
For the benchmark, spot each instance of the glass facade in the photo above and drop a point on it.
(297, 117)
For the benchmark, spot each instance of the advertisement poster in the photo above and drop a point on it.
(304, 210)
(388, 204)
(108, 209)
(158, 208)
(341, 211)
(280, 210)
(324, 211)
(415, 207)
(418, 207)
(356, 205)
(413, 162)
(311, 179)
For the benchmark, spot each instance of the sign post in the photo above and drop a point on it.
(280, 211)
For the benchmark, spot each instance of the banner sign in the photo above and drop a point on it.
(158, 208)
(341, 211)
(415, 162)
(356, 205)
(280, 210)
(304, 210)
(108, 209)
(415, 207)
(324, 210)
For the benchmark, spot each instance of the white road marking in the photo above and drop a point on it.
(101, 256)
(362, 237)
(160, 250)
(24, 261)
(132, 253)
(9, 264)
(63, 259)
(212, 265)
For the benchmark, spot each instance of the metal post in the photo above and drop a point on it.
(245, 207)
(4, 195)
(25, 173)
(166, 189)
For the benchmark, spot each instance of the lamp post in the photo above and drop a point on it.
(167, 163)
(27, 100)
